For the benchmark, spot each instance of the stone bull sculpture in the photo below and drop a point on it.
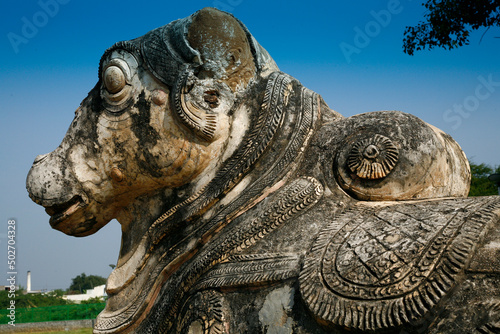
(247, 205)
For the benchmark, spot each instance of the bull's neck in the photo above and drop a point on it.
(180, 210)
(137, 218)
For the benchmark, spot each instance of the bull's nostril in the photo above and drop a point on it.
(40, 158)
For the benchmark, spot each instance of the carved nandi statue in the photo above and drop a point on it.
(247, 205)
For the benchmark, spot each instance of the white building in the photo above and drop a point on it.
(98, 291)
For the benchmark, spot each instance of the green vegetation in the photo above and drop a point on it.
(480, 184)
(448, 23)
(53, 313)
(24, 300)
(93, 300)
(51, 306)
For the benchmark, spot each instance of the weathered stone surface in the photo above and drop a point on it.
(247, 205)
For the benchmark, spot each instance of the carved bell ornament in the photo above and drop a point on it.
(373, 158)
(389, 155)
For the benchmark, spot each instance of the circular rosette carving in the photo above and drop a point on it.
(373, 158)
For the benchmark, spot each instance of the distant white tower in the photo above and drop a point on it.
(28, 282)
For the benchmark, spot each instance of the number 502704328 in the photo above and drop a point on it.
(11, 248)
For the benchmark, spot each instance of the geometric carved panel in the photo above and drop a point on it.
(377, 268)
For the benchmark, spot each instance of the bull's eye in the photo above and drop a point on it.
(119, 81)
(114, 79)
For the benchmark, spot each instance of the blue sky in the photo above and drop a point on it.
(349, 52)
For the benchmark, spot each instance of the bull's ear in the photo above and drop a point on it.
(225, 69)
(202, 122)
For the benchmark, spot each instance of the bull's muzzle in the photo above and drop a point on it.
(51, 183)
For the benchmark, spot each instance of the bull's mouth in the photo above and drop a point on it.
(62, 212)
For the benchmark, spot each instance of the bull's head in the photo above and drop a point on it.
(155, 124)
